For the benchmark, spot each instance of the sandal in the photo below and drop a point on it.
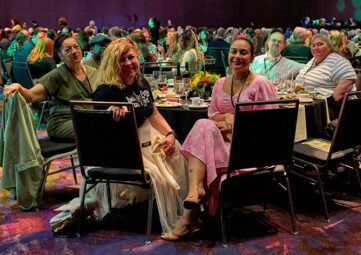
(191, 203)
(183, 231)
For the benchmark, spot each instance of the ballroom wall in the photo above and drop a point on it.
(211, 13)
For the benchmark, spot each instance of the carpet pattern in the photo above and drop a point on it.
(123, 231)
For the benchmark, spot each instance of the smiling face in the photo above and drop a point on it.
(276, 44)
(70, 51)
(129, 66)
(240, 56)
(320, 49)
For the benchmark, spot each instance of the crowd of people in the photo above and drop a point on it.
(110, 72)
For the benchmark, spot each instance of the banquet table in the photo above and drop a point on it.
(182, 120)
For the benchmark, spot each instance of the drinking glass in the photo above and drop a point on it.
(162, 82)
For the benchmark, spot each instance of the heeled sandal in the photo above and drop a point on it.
(190, 203)
(187, 231)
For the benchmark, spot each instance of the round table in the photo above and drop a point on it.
(182, 120)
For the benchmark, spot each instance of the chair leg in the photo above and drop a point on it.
(292, 210)
(150, 214)
(82, 200)
(109, 195)
(356, 167)
(223, 220)
(41, 117)
(319, 182)
(42, 185)
(73, 167)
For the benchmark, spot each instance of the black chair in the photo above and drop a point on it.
(51, 151)
(22, 74)
(221, 60)
(6, 64)
(302, 60)
(112, 149)
(342, 148)
(208, 64)
(261, 138)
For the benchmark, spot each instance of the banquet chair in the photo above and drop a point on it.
(321, 155)
(261, 139)
(208, 64)
(6, 64)
(22, 76)
(221, 60)
(149, 67)
(113, 155)
(302, 60)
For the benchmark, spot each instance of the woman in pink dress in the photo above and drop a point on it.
(208, 143)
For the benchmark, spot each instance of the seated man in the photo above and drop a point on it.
(272, 64)
(297, 47)
(97, 47)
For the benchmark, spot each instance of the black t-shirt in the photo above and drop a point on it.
(140, 96)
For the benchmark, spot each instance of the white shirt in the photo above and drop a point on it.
(275, 69)
(327, 74)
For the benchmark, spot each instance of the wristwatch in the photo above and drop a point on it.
(172, 132)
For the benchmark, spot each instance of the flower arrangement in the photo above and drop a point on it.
(202, 83)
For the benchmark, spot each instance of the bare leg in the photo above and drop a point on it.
(197, 171)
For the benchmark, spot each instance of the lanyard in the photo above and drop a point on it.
(90, 92)
(239, 94)
(269, 69)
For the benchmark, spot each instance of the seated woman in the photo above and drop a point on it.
(146, 55)
(70, 81)
(338, 42)
(171, 45)
(208, 143)
(330, 71)
(189, 51)
(40, 59)
(203, 40)
(120, 81)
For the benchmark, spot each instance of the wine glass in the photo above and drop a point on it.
(162, 82)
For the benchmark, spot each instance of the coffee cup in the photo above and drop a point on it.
(196, 101)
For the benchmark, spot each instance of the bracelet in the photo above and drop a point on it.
(172, 132)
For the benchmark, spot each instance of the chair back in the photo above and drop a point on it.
(6, 64)
(263, 137)
(221, 56)
(22, 74)
(302, 60)
(103, 142)
(347, 135)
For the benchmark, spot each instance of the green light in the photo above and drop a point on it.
(358, 14)
(340, 5)
(356, 3)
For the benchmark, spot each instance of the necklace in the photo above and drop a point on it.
(242, 88)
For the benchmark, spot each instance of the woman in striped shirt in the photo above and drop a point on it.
(329, 72)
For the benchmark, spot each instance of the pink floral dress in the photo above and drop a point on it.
(205, 141)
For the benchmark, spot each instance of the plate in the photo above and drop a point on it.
(168, 104)
(192, 106)
(305, 99)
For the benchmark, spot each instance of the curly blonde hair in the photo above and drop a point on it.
(110, 64)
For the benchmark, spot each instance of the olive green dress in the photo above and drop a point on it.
(62, 87)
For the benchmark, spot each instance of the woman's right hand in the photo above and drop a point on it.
(118, 112)
(11, 89)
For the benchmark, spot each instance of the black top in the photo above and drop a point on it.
(140, 96)
(41, 67)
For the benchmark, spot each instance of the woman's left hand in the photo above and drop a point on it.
(169, 143)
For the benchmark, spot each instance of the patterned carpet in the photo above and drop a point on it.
(123, 232)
